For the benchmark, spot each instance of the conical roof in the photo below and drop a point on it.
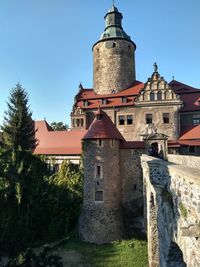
(102, 128)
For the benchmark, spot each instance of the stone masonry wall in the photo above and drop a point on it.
(175, 190)
(131, 188)
(131, 173)
(133, 132)
(101, 221)
(189, 161)
(111, 60)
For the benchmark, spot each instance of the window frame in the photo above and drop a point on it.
(95, 196)
(166, 119)
(152, 96)
(146, 118)
(121, 120)
(127, 120)
(98, 171)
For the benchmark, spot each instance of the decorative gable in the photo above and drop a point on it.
(156, 89)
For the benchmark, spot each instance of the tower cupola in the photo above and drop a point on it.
(113, 21)
(113, 56)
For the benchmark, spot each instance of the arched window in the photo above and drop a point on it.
(152, 96)
(159, 95)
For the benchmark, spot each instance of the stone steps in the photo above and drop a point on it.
(175, 256)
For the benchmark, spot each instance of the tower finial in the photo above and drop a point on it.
(155, 67)
(113, 2)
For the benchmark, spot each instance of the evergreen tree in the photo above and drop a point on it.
(18, 128)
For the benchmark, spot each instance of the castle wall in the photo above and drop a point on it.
(175, 192)
(101, 221)
(187, 161)
(131, 189)
(111, 60)
(131, 174)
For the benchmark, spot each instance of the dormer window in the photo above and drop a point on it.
(124, 99)
(85, 103)
(104, 101)
(99, 116)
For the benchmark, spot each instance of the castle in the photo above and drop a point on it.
(112, 125)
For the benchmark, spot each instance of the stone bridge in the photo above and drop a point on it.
(172, 212)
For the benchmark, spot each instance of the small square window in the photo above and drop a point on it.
(104, 101)
(149, 118)
(129, 119)
(99, 195)
(124, 99)
(121, 120)
(85, 103)
(196, 119)
(165, 117)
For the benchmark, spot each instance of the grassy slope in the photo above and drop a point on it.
(126, 253)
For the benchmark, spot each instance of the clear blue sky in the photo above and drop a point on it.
(46, 45)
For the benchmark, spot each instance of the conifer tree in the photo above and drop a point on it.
(18, 128)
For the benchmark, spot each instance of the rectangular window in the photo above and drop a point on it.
(121, 120)
(165, 117)
(100, 142)
(98, 171)
(85, 103)
(196, 119)
(104, 101)
(149, 118)
(124, 99)
(99, 195)
(129, 119)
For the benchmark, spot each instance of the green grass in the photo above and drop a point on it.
(126, 253)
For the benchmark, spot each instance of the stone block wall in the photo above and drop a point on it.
(101, 219)
(131, 174)
(111, 60)
(131, 189)
(175, 191)
(133, 132)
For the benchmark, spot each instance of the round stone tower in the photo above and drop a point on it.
(101, 218)
(113, 57)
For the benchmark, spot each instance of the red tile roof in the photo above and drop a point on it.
(192, 133)
(102, 127)
(189, 142)
(112, 99)
(189, 95)
(57, 142)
